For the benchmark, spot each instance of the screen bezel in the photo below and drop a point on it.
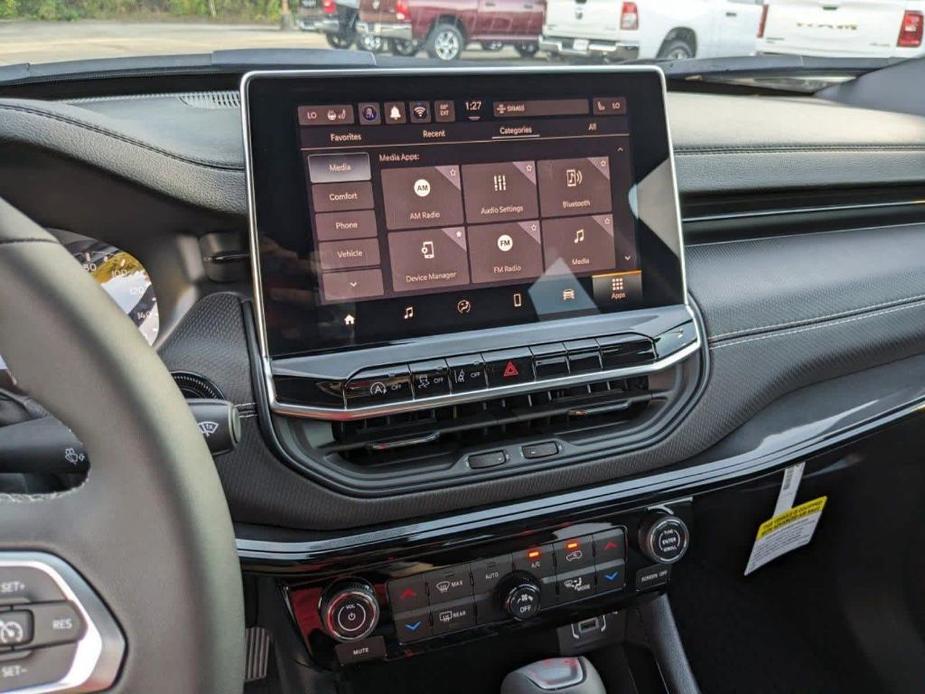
(276, 179)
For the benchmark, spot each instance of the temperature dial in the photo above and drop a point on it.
(520, 595)
(349, 610)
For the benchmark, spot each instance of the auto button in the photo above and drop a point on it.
(378, 387)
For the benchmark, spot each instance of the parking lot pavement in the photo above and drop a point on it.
(39, 42)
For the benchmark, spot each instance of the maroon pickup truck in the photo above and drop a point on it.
(444, 27)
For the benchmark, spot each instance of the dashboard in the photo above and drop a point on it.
(471, 315)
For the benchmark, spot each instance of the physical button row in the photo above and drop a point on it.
(493, 369)
(462, 596)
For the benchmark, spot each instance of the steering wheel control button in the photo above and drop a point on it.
(15, 629)
(453, 618)
(652, 577)
(484, 460)
(508, 367)
(467, 373)
(448, 585)
(609, 545)
(663, 538)
(378, 387)
(574, 554)
(407, 594)
(430, 378)
(521, 595)
(349, 610)
(56, 623)
(487, 574)
(43, 666)
(413, 628)
(611, 575)
(23, 584)
(534, 451)
(536, 560)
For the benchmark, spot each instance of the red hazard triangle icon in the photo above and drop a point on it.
(510, 370)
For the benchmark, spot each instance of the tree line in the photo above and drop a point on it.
(228, 10)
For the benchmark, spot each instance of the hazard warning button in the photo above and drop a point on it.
(509, 366)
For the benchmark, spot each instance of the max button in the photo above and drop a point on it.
(447, 585)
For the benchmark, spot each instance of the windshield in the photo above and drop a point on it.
(444, 31)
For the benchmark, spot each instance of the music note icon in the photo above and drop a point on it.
(409, 312)
(579, 236)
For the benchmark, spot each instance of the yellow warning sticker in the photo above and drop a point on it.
(785, 532)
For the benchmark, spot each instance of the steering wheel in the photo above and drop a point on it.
(144, 548)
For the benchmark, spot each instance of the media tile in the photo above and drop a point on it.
(421, 197)
(579, 245)
(574, 186)
(505, 252)
(428, 258)
(500, 192)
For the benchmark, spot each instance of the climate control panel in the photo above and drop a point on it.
(409, 602)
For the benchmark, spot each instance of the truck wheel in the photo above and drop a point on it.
(676, 49)
(445, 42)
(404, 48)
(366, 42)
(527, 50)
(339, 40)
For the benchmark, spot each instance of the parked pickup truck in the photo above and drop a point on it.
(445, 27)
(673, 29)
(852, 28)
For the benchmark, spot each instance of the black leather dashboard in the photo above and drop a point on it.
(781, 313)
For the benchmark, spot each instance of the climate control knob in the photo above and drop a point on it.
(663, 538)
(520, 595)
(349, 610)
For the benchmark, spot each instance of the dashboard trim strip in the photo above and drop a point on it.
(335, 414)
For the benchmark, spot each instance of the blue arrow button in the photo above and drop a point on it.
(414, 627)
(613, 576)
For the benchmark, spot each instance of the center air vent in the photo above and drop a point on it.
(382, 441)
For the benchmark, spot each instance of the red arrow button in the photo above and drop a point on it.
(408, 594)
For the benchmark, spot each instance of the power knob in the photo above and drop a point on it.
(663, 537)
(520, 595)
(349, 610)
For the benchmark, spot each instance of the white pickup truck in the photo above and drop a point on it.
(849, 28)
(675, 29)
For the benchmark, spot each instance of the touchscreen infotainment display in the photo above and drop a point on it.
(402, 206)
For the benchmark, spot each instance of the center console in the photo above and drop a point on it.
(459, 274)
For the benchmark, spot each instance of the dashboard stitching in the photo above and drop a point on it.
(773, 149)
(826, 324)
(826, 317)
(123, 138)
